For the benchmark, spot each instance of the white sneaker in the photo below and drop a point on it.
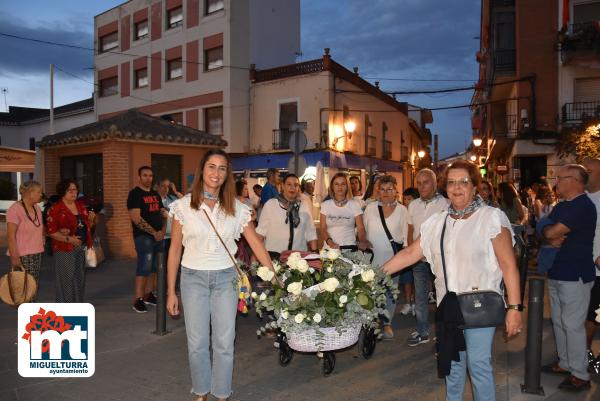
(406, 309)
(431, 297)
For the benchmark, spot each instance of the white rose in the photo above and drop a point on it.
(367, 275)
(317, 318)
(299, 318)
(333, 254)
(284, 314)
(295, 288)
(343, 299)
(292, 262)
(331, 284)
(253, 295)
(263, 296)
(329, 269)
(265, 273)
(323, 253)
(302, 266)
(276, 267)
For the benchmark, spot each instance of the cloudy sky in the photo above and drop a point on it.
(415, 44)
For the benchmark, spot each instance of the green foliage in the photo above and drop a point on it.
(579, 142)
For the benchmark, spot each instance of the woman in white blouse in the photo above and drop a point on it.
(396, 220)
(208, 293)
(478, 255)
(341, 217)
(285, 221)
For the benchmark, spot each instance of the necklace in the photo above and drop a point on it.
(209, 196)
(36, 219)
(393, 203)
(341, 203)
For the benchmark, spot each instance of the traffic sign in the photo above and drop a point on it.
(297, 165)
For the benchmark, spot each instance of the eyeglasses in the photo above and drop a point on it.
(462, 183)
(388, 190)
(558, 177)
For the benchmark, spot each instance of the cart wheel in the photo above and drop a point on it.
(285, 353)
(328, 363)
(366, 342)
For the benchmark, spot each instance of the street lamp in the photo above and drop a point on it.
(421, 154)
(473, 158)
(349, 126)
(477, 141)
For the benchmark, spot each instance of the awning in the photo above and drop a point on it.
(15, 160)
(328, 158)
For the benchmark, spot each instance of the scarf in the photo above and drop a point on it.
(292, 209)
(476, 204)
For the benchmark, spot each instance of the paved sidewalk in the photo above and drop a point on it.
(132, 364)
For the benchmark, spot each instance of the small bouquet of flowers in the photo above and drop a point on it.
(343, 294)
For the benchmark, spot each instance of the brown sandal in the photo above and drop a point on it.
(554, 369)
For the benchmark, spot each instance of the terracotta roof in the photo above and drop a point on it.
(133, 125)
(326, 64)
(17, 115)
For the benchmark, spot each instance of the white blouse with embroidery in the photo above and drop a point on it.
(471, 262)
(203, 249)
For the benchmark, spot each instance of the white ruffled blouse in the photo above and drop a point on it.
(471, 262)
(203, 249)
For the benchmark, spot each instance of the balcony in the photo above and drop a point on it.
(580, 42)
(281, 138)
(387, 150)
(504, 60)
(575, 113)
(506, 126)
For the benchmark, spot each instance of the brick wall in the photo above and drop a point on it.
(117, 183)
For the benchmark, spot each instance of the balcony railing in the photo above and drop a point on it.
(371, 145)
(506, 126)
(281, 138)
(288, 70)
(580, 111)
(504, 60)
(581, 39)
(387, 149)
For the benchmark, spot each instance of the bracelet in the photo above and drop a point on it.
(517, 307)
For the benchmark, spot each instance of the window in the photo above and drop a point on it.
(87, 171)
(213, 120)
(141, 77)
(109, 42)
(109, 86)
(174, 69)
(141, 29)
(213, 58)
(214, 6)
(177, 118)
(167, 166)
(586, 12)
(175, 17)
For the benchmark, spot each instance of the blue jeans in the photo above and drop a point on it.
(478, 358)
(391, 302)
(149, 253)
(210, 302)
(422, 278)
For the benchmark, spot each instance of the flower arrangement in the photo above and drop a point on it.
(343, 292)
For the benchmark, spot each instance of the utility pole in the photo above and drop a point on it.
(4, 92)
(51, 99)
(435, 152)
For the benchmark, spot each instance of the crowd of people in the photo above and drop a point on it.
(446, 236)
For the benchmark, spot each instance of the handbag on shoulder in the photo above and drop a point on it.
(480, 309)
(396, 246)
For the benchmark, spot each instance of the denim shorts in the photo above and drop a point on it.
(149, 254)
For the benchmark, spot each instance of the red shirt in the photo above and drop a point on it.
(59, 217)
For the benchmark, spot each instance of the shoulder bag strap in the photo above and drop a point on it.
(442, 251)
(385, 227)
(291, 240)
(235, 264)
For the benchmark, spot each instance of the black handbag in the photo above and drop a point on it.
(396, 246)
(484, 308)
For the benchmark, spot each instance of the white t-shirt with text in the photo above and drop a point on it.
(341, 221)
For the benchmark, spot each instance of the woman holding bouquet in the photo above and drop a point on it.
(341, 217)
(476, 240)
(206, 221)
(285, 221)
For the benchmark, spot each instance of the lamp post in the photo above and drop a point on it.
(421, 154)
(477, 141)
(349, 126)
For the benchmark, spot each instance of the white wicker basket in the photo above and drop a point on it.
(309, 341)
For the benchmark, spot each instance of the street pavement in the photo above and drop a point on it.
(133, 364)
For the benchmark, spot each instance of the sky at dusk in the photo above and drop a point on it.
(401, 39)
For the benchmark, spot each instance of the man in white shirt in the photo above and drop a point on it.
(419, 210)
(591, 325)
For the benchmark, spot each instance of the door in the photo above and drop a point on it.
(532, 168)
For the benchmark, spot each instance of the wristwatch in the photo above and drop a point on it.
(517, 307)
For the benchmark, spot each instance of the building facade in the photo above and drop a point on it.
(350, 123)
(515, 105)
(189, 59)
